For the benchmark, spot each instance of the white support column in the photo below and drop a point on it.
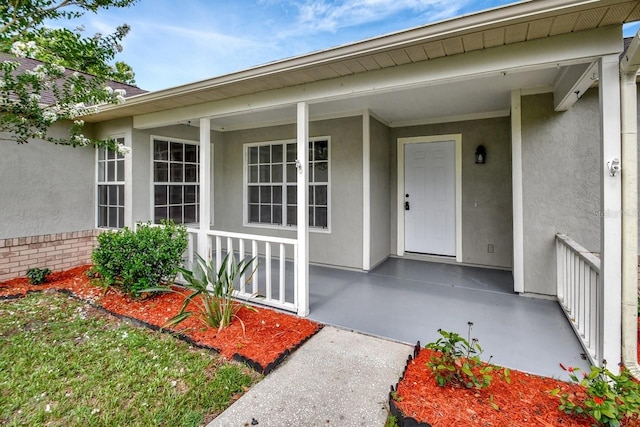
(128, 181)
(629, 162)
(204, 248)
(611, 215)
(630, 65)
(518, 204)
(303, 208)
(366, 191)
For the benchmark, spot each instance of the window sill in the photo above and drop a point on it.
(285, 228)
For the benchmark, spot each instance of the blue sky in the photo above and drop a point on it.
(175, 42)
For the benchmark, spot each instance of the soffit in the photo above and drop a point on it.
(421, 44)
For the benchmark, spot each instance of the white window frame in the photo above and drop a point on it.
(153, 182)
(245, 186)
(104, 181)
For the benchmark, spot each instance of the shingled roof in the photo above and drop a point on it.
(47, 96)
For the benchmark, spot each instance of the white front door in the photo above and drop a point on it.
(430, 200)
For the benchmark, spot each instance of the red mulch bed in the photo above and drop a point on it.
(523, 402)
(268, 338)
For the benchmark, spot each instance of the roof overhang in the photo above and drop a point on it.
(500, 27)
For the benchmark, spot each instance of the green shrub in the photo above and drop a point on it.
(38, 276)
(136, 260)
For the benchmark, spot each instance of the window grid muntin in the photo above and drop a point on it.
(265, 180)
(176, 181)
(287, 185)
(110, 188)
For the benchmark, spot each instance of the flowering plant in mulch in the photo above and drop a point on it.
(445, 384)
(268, 338)
(611, 400)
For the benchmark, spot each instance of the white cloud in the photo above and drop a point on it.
(210, 38)
(101, 27)
(326, 15)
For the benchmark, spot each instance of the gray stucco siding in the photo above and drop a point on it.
(46, 188)
(561, 182)
(342, 246)
(486, 189)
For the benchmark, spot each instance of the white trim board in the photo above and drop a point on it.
(451, 119)
(366, 191)
(457, 139)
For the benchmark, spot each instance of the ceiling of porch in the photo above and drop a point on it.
(480, 97)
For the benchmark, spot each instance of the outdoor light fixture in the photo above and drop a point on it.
(481, 155)
(614, 166)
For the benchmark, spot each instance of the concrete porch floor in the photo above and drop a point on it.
(407, 301)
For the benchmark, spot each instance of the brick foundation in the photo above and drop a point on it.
(56, 252)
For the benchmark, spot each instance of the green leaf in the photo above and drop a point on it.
(607, 412)
(597, 414)
(177, 319)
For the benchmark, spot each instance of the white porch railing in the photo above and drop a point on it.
(580, 293)
(274, 281)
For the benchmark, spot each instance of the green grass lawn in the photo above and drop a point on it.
(63, 362)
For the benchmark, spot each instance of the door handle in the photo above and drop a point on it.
(406, 206)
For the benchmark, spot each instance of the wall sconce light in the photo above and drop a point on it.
(614, 166)
(481, 155)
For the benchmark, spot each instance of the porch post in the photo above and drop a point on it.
(518, 204)
(611, 213)
(303, 209)
(205, 188)
(366, 190)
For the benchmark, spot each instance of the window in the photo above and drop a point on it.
(176, 178)
(110, 188)
(272, 183)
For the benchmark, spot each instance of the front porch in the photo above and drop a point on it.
(407, 301)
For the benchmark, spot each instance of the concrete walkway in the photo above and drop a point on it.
(337, 378)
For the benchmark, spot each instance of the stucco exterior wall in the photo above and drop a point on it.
(46, 188)
(380, 149)
(561, 182)
(342, 246)
(486, 189)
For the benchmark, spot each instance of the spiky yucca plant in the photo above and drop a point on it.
(211, 292)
